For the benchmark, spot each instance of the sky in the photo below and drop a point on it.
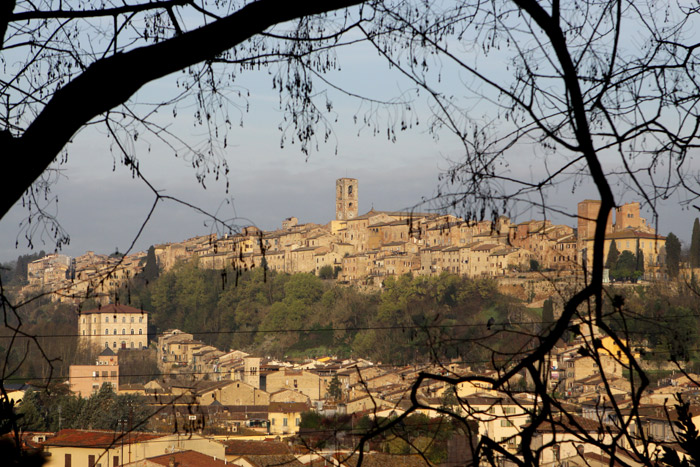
(102, 207)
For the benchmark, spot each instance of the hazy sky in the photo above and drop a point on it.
(102, 207)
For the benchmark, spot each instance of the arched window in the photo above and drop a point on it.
(114, 344)
(132, 345)
(140, 331)
(106, 344)
(123, 331)
(132, 332)
(115, 331)
(140, 319)
(123, 319)
(132, 319)
(106, 319)
(106, 332)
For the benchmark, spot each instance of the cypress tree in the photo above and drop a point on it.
(640, 262)
(613, 255)
(150, 271)
(673, 255)
(695, 245)
(547, 312)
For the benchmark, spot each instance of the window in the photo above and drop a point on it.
(115, 461)
(140, 319)
(67, 461)
(132, 345)
(298, 421)
(91, 460)
(506, 423)
(106, 344)
(105, 374)
(106, 319)
(106, 332)
(132, 332)
(140, 331)
(272, 421)
(284, 421)
(132, 319)
(123, 331)
(113, 373)
(114, 344)
(123, 319)
(115, 331)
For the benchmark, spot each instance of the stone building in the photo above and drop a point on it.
(346, 198)
(114, 326)
(587, 214)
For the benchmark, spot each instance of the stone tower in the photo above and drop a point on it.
(587, 213)
(345, 198)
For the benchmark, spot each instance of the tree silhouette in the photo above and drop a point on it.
(613, 256)
(695, 245)
(673, 255)
(561, 77)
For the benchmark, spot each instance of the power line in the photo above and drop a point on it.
(492, 326)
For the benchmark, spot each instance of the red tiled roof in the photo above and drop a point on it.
(112, 308)
(288, 407)
(275, 460)
(96, 438)
(247, 447)
(187, 459)
(486, 247)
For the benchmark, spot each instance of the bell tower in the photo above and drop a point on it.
(345, 198)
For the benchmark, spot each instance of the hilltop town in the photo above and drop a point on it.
(365, 249)
(241, 405)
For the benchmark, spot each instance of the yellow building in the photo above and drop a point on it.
(114, 326)
(84, 380)
(653, 246)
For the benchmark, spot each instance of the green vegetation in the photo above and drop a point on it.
(624, 266)
(15, 273)
(302, 315)
(57, 408)
(662, 324)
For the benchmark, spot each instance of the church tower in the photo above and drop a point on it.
(345, 198)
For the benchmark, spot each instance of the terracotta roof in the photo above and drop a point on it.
(287, 460)
(96, 438)
(485, 247)
(112, 308)
(288, 407)
(187, 459)
(572, 423)
(246, 447)
(381, 459)
(631, 233)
